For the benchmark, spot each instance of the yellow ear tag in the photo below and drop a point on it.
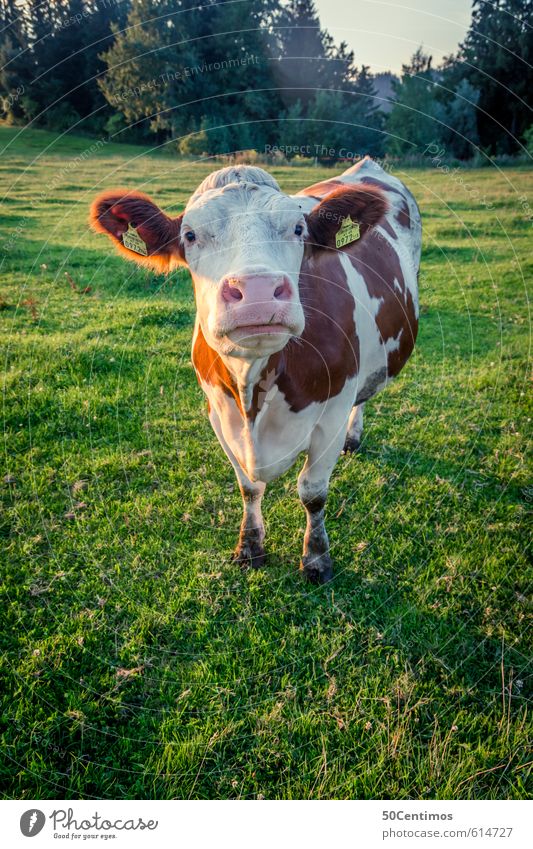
(132, 241)
(347, 233)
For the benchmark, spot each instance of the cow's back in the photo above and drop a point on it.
(381, 272)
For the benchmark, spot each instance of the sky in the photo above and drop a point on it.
(385, 33)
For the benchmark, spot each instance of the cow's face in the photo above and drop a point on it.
(243, 241)
(244, 246)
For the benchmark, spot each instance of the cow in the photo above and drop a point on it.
(307, 306)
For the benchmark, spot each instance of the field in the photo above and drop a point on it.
(137, 660)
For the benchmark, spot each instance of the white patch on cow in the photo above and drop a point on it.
(372, 356)
(247, 373)
(233, 174)
(326, 440)
(393, 344)
(306, 202)
(409, 269)
(278, 437)
(405, 249)
(268, 398)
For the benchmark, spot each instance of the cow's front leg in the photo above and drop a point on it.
(250, 551)
(313, 484)
(316, 562)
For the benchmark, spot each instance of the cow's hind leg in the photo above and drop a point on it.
(355, 430)
(250, 551)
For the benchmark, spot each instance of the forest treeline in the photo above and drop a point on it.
(219, 76)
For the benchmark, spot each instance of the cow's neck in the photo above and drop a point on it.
(246, 382)
(246, 375)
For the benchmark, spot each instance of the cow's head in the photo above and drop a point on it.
(243, 241)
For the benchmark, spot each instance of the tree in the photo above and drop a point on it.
(306, 58)
(528, 140)
(319, 81)
(413, 121)
(51, 50)
(300, 60)
(495, 58)
(366, 115)
(15, 73)
(459, 116)
(185, 69)
(384, 86)
(140, 64)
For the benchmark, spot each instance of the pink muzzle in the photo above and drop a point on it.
(257, 303)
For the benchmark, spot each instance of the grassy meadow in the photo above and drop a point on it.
(137, 660)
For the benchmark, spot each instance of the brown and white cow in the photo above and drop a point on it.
(302, 316)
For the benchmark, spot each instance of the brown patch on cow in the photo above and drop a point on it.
(386, 225)
(380, 184)
(113, 211)
(365, 204)
(387, 321)
(212, 369)
(316, 366)
(379, 265)
(402, 216)
(319, 190)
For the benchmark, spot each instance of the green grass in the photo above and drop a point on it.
(137, 660)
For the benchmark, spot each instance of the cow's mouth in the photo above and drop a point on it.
(247, 331)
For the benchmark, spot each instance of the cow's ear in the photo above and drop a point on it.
(138, 228)
(345, 216)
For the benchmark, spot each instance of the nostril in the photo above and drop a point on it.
(283, 291)
(231, 293)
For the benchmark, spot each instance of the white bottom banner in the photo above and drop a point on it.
(272, 824)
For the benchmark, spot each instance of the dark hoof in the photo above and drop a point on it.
(351, 446)
(317, 569)
(250, 555)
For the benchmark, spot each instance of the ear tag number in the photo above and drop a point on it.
(132, 241)
(347, 233)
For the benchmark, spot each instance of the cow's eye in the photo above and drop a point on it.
(190, 236)
(298, 230)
